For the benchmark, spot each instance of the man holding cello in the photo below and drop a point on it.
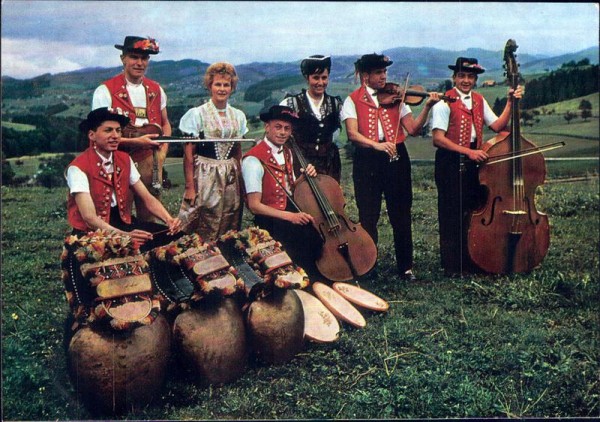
(269, 179)
(457, 129)
(381, 161)
(146, 103)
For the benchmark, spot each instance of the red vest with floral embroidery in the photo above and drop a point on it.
(462, 119)
(368, 114)
(272, 193)
(117, 87)
(102, 187)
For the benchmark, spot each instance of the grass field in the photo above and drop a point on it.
(523, 345)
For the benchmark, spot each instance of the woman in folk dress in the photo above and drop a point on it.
(212, 202)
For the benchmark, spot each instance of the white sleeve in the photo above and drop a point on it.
(191, 122)
(163, 99)
(77, 180)
(440, 116)
(134, 174)
(101, 97)
(348, 110)
(243, 123)
(252, 173)
(489, 116)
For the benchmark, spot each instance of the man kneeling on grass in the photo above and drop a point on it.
(102, 184)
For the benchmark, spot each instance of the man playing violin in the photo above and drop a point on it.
(268, 173)
(103, 181)
(381, 162)
(458, 135)
(146, 103)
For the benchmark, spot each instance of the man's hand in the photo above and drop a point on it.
(477, 155)
(140, 236)
(174, 225)
(309, 171)
(300, 218)
(388, 147)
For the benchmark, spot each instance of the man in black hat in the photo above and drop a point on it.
(381, 163)
(268, 172)
(146, 103)
(103, 181)
(319, 114)
(458, 134)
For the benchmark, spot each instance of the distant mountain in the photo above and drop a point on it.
(423, 64)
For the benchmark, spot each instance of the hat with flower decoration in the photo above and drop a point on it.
(466, 64)
(133, 44)
(100, 115)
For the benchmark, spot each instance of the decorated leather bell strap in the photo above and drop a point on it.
(263, 245)
(272, 262)
(128, 310)
(113, 288)
(210, 265)
(227, 284)
(114, 268)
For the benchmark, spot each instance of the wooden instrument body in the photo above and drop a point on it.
(508, 234)
(348, 250)
(149, 163)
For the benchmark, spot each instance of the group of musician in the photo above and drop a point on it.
(108, 176)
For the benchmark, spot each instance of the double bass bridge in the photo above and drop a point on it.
(514, 212)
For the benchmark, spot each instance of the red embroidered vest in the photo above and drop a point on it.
(462, 120)
(368, 114)
(272, 193)
(117, 86)
(101, 187)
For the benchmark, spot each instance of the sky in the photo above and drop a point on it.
(58, 36)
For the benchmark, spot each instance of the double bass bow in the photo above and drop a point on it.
(348, 250)
(507, 234)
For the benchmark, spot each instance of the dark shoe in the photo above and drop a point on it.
(408, 276)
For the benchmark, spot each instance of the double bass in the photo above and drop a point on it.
(348, 250)
(507, 234)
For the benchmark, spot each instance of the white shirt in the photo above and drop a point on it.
(440, 113)
(349, 111)
(137, 94)
(316, 110)
(253, 170)
(78, 181)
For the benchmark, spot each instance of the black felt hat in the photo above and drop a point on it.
(100, 115)
(466, 64)
(278, 112)
(370, 62)
(315, 64)
(133, 44)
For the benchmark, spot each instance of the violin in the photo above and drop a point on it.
(392, 94)
(507, 234)
(348, 250)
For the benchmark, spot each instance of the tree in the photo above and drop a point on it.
(569, 116)
(586, 109)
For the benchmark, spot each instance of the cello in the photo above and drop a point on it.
(348, 250)
(507, 234)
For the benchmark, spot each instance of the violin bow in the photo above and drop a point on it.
(529, 151)
(400, 106)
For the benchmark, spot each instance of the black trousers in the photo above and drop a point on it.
(159, 239)
(459, 193)
(301, 242)
(376, 177)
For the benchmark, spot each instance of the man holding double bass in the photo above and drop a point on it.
(458, 135)
(146, 102)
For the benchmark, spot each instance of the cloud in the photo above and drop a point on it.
(58, 36)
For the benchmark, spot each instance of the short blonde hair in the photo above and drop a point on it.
(220, 68)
